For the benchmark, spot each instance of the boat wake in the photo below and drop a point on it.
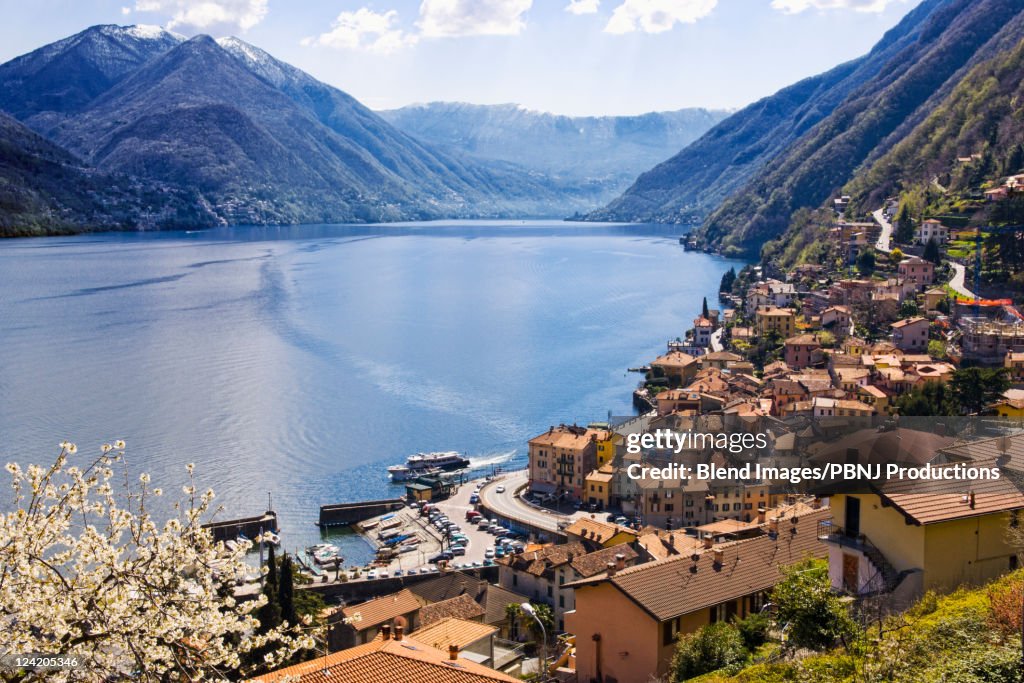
(492, 459)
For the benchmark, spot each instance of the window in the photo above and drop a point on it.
(748, 506)
(561, 601)
(551, 591)
(689, 502)
(669, 507)
(736, 506)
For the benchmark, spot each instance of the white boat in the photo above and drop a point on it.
(423, 464)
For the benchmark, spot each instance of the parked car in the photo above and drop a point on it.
(472, 514)
(621, 521)
(398, 572)
(611, 517)
(460, 539)
(474, 499)
(412, 572)
(372, 574)
(489, 553)
(443, 555)
(483, 524)
(458, 550)
(383, 574)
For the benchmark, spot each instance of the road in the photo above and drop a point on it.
(884, 242)
(509, 505)
(956, 283)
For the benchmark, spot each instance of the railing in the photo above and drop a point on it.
(832, 533)
(506, 652)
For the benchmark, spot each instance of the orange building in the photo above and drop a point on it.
(561, 458)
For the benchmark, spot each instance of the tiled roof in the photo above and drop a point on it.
(653, 545)
(452, 631)
(597, 562)
(875, 447)
(385, 608)
(679, 585)
(564, 436)
(388, 661)
(449, 585)
(542, 559)
(675, 359)
(460, 607)
(496, 599)
(594, 530)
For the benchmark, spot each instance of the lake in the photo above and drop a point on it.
(301, 361)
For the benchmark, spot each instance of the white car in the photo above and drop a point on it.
(500, 489)
(371, 574)
(489, 554)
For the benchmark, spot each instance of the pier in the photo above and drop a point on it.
(343, 514)
(250, 527)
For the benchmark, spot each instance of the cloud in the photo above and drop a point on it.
(451, 18)
(367, 30)
(797, 6)
(582, 6)
(208, 15)
(657, 16)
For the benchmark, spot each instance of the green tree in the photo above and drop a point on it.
(286, 592)
(931, 252)
(933, 399)
(704, 308)
(754, 629)
(904, 227)
(866, 262)
(974, 388)
(908, 309)
(811, 614)
(713, 647)
(937, 349)
(896, 255)
(728, 278)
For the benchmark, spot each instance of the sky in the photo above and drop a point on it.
(576, 57)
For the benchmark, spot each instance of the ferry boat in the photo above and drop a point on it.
(423, 464)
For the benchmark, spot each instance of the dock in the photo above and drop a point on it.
(250, 527)
(344, 514)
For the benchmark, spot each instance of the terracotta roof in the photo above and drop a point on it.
(496, 599)
(565, 436)
(725, 526)
(875, 447)
(449, 585)
(597, 562)
(461, 607)
(721, 355)
(803, 340)
(388, 661)
(653, 544)
(675, 359)
(385, 608)
(452, 631)
(679, 585)
(544, 558)
(929, 502)
(908, 321)
(598, 475)
(594, 530)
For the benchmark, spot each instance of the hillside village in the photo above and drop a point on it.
(835, 364)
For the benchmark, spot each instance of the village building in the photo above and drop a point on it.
(910, 334)
(362, 623)
(915, 269)
(677, 367)
(656, 602)
(560, 458)
(803, 351)
(781, 321)
(932, 229)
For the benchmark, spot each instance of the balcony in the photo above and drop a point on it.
(837, 535)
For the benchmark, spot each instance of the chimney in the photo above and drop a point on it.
(672, 541)
(709, 541)
(761, 515)
(816, 503)
(620, 561)
(970, 499)
(385, 632)
(611, 569)
(773, 525)
(453, 652)
(719, 556)
(398, 631)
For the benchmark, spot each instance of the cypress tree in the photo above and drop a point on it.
(286, 592)
(269, 614)
(704, 308)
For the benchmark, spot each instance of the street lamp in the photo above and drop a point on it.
(528, 609)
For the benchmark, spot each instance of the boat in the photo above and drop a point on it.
(397, 539)
(423, 464)
(368, 524)
(271, 537)
(391, 523)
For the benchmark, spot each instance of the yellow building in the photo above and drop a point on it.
(1010, 407)
(599, 486)
(596, 534)
(875, 397)
(654, 603)
(1014, 364)
(909, 536)
(772, 319)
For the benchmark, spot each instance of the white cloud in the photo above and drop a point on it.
(228, 15)
(657, 16)
(450, 18)
(367, 30)
(582, 6)
(797, 6)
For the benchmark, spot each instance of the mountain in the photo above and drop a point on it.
(953, 37)
(744, 179)
(254, 139)
(44, 189)
(65, 76)
(616, 148)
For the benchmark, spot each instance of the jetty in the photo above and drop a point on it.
(344, 514)
(250, 527)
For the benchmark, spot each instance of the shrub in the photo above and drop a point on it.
(812, 615)
(754, 629)
(713, 647)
